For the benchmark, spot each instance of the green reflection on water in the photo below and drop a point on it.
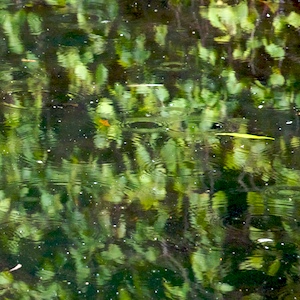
(135, 151)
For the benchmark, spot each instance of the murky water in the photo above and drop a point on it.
(149, 150)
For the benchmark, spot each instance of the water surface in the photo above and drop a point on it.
(149, 150)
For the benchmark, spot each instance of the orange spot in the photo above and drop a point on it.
(104, 122)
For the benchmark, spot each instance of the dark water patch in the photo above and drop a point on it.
(143, 127)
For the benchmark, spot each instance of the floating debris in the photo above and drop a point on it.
(246, 136)
(17, 267)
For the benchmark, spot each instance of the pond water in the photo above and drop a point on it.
(149, 149)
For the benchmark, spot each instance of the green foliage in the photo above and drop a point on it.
(134, 160)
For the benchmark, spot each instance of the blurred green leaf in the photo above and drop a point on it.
(105, 109)
(274, 267)
(35, 24)
(6, 278)
(168, 153)
(176, 292)
(277, 79)
(160, 34)
(275, 51)
(101, 74)
(114, 253)
(293, 19)
(253, 262)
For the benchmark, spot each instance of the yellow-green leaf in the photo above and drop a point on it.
(245, 136)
